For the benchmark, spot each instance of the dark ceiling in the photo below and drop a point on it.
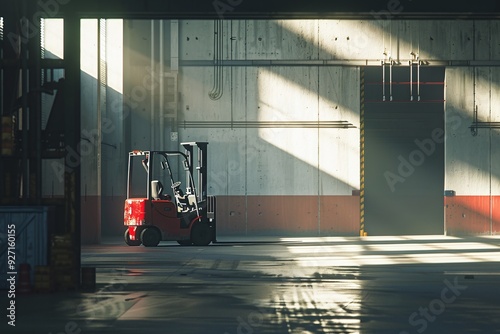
(266, 9)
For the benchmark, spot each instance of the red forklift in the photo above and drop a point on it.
(153, 213)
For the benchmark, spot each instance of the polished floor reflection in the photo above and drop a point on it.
(402, 285)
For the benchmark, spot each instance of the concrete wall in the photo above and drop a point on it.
(273, 92)
(88, 156)
(342, 39)
(266, 176)
(113, 121)
(296, 180)
(285, 172)
(472, 162)
(101, 149)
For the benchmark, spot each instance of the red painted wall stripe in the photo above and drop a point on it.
(472, 215)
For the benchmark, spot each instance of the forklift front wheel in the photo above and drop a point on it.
(150, 237)
(130, 242)
(201, 234)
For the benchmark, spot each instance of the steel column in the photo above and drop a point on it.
(72, 132)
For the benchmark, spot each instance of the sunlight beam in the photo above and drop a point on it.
(282, 99)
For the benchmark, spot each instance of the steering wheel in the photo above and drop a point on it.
(176, 184)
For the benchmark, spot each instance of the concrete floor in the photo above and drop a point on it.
(401, 285)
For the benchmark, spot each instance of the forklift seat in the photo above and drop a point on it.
(157, 189)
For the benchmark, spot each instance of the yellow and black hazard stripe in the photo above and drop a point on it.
(362, 153)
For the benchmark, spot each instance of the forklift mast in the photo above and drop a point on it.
(201, 169)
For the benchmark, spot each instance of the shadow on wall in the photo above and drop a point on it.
(100, 213)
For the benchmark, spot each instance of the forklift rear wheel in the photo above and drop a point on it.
(150, 237)
(131, 242)
(201, 234)
(185, 242)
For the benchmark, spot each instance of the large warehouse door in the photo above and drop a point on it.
(403, 150)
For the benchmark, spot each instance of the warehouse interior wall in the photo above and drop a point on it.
(262, 176)
(162, 87)
(472, 159)
(433, 42)
(101, 148)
